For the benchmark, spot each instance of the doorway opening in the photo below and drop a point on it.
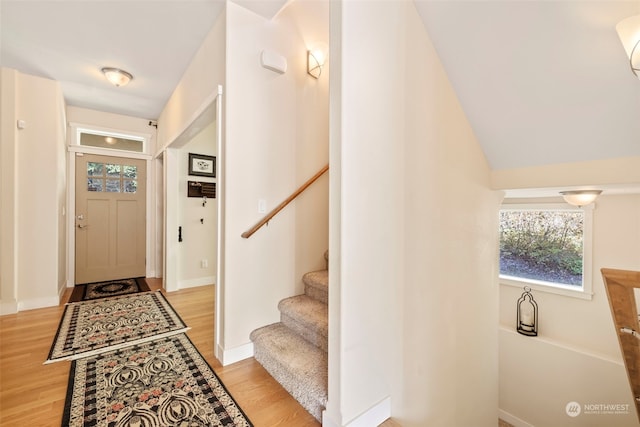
(192, 198)
(109, 195)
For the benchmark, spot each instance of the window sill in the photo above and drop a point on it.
(540, 286)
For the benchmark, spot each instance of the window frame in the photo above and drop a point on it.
(586, 291)
(78, 128)
(120, 178)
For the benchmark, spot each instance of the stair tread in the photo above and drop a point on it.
(318, 278)
(298, 365)
(308, 311)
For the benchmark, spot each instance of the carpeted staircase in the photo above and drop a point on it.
(294, 350)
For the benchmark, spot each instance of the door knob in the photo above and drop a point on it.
(82, 226)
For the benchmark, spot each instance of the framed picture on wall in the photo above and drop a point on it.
(202, 165)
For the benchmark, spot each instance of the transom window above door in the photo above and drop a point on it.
(112, 142)
(112, 178)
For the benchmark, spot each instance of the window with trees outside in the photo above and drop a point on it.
(547, 248)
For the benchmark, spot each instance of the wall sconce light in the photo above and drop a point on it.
(116, 76)
(580, 197)
(629, 33)
(527, 312)
(315, 61)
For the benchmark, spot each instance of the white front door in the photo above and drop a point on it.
(110, 231)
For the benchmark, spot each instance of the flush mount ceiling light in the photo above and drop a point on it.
(629, 33)
(580, 197)
(116, 76)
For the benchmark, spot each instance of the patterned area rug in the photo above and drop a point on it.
(165, 382)
(110, 288)
(90, 327)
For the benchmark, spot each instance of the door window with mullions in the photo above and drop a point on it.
(112, 178)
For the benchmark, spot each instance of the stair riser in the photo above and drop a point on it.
(313, 404)
(314, 337)
(299, 366)
(316, 285)
(317, 293)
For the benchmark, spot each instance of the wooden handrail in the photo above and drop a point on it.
(621, 286)
(281, 206)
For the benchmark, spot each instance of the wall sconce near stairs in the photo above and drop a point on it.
(316, 59)
(629, 33)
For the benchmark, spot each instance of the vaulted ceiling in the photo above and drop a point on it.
(542, 82)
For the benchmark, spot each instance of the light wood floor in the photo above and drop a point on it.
(33, 394)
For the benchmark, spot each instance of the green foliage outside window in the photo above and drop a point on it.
(542, 245)
(124, 177)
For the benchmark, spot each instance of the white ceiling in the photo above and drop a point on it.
(541, 82)
(70, 41)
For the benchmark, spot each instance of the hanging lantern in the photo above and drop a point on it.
(527, 308)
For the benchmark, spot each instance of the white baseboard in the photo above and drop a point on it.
(512, 419)
(8, 307)
(236, 354)
(32, 304)
(374, 416)
(193, 283)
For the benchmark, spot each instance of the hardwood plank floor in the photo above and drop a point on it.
(33, 394)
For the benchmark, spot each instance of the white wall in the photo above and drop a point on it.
(576, 356)
(200, 239)
(273, 140)
(450, 295)
(113, 122)
(34, 251)
(619, 172)
(311, 20)
(61, 191)
(366, 238)
(8, 205)
(413, 305)
(200, 80)
(197, 89)
(267, 151)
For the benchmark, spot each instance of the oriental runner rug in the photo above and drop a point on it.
(164, 382)
(91, 327)
(110, 288)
